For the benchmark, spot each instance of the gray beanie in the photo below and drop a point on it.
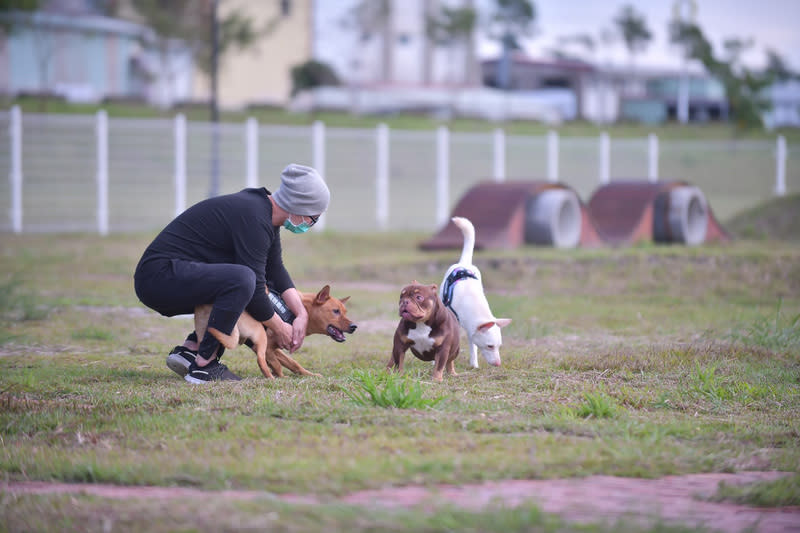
(302, 191)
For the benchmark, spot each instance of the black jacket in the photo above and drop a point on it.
(233, 228)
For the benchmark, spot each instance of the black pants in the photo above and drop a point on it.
(175, 287)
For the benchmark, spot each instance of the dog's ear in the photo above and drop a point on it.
(502, 322)
(415, 282)
(343, 300)
(486, 325)
(323, 295)
(434, 287)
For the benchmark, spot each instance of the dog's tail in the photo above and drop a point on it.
(468, 230)
(229, 341)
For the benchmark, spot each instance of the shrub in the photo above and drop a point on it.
(312, 74)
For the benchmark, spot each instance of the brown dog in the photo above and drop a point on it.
(428, 328)
(326, 315)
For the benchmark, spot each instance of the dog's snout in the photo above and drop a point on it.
(352, 328)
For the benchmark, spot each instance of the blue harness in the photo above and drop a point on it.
(449, 283)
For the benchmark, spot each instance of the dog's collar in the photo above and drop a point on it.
(449, 283)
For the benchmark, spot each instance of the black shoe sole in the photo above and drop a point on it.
(178, 364)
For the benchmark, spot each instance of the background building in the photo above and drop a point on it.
(262, 74)
(70, 49)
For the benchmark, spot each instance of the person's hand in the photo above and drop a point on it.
(281, 331)
(298, 332)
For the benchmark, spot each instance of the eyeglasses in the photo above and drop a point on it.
(303, 219)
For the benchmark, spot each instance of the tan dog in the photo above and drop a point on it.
(428, 328)
(326, 315)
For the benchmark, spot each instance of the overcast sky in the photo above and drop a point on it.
(769, 23)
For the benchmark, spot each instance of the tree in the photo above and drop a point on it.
(778, 67)
(583, 40)
(18, 14)
(743, 86)
(450, 27)
(178, 23)
(508, 24)
(371, 17)
(182, 23)
(11, 12)
(633, 29)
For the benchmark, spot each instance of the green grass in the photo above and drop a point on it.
(388, 390)
(777, 332)
(16, 303)
(596, 405)
(780, 493)
(778, 219)
(629, 362)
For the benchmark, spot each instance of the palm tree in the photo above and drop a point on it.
(450, 27)
(632, 26)
(743, 86)
(184, 23)
(511, 20)
(582, 40)
(371, 17)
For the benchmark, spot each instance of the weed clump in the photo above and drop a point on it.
(388, 390)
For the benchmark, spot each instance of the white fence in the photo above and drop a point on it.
(98, 174)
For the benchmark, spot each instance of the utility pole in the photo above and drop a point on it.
(214, 182)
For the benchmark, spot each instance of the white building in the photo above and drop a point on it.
(76, 53)
(785, 99)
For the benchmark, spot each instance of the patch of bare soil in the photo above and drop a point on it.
(674, 500)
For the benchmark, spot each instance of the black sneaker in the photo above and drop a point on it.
(180, 359)
(213, 371)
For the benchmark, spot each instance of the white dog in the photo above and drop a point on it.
(462, 291)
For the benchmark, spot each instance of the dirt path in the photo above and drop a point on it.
(673, 499)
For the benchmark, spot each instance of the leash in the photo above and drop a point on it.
(280, 307)
(449, 283)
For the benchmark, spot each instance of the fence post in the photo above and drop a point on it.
(382, 176)
(652, 157)
(251, 152)
(15, 176)
(499, 155)
(102, 172)
(318, 158)
(442, 174)
(780, 166)
(180, 163)
(605, 158)
(552, 156)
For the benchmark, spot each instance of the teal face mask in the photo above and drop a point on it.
(297, 228)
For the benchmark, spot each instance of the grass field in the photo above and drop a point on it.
(637, 362)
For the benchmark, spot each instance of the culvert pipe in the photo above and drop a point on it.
(553, 218)
(680, 215)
